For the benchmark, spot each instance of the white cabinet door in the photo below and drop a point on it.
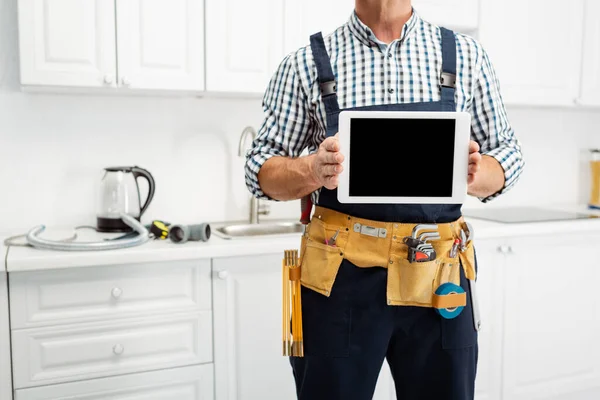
(552, 318)
(247, 323)
(490, 283)
(44, 356)
(161, 44)
(385, 389)
(590, 82)
(67, 42)
(190, 383)
(77, 295)
(303, 18)
(460, 15)
(244, 44)
(537, 56)
(5, 369)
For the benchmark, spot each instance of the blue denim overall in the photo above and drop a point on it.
(345, 346)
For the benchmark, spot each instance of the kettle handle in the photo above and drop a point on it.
(142, 173)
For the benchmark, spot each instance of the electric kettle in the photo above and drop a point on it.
(120, 193)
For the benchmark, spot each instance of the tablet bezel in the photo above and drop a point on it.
(461, 157)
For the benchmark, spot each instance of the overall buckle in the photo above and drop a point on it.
(448, 80)
(328, 88)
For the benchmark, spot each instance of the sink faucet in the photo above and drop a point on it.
(256, 208)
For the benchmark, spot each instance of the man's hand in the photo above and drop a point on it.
(326, 166)
(474, 161)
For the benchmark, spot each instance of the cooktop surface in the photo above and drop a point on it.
(525, 214)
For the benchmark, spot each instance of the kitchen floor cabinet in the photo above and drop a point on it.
(138, 44)
(247, 340)
(552, 318)
(189, 383)
(590, 80)
(538, 57)
(5, 368)
(244, 44)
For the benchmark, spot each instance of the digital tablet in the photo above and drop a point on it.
(397, 157)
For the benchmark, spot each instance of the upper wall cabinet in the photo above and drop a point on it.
(160, 43)
(67, 42)
(537, 56)
(304, 18)
(460, 15)
(590, 80)
(244, 44)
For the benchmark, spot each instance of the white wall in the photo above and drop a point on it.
(53, 148)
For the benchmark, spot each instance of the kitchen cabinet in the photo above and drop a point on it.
(490, 281)
(538, 57)
(68, 43)
(247, 330)
(244, 44)
(459, 15)
(160, 44)
(590, 80)
(5, 368)
(303, 18)
(552, 318)
(138, 44)
(189, 383)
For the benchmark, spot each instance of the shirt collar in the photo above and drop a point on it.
(364, 34)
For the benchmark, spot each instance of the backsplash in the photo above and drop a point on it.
(53, 149)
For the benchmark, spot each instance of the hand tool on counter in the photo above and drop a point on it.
(419, 249)
(184, 233)
(293, 342)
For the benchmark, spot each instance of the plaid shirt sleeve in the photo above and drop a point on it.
(491, 128)
(286, 127)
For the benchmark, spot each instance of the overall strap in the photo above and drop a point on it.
(326, 82)
(448, 78)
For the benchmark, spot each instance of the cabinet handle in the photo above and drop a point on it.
(223, 275)
(118, 349)
(116, 292)
(503, 249)
(108, 79)
(125, 81)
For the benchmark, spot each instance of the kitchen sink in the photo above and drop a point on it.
(242, 230)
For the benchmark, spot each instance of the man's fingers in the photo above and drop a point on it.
(331, 157)
(328, 170)
(473, 147)
(331, 182)
(474, 168)
(474, 158)
(331, 144)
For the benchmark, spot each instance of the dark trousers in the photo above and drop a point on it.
(348, 336)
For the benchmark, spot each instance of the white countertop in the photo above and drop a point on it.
(28, 259)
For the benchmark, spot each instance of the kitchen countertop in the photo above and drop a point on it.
(28, 259)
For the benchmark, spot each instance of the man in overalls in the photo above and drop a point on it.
(363, 301)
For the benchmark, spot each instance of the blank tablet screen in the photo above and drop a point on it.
(401, 157)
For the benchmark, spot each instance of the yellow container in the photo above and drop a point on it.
(595, 167)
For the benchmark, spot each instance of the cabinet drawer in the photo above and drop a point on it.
(104, 293)
(74, 352)
(189, 383)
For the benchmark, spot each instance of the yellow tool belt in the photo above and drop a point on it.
(408, 284)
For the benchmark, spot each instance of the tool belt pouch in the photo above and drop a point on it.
(320, 262)
(409, 284)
